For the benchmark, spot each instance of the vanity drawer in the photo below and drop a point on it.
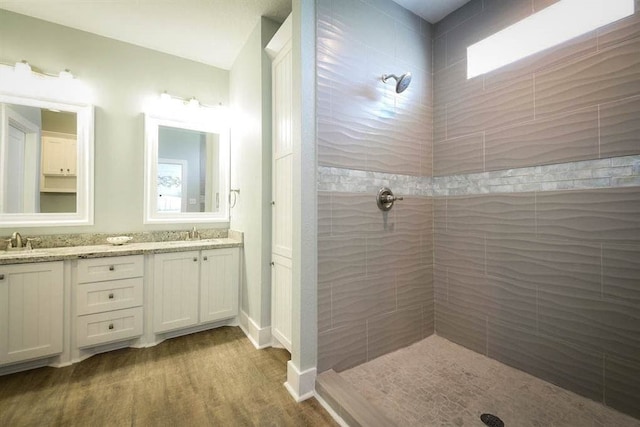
(110, 268)
(102, 328)
(105, 296)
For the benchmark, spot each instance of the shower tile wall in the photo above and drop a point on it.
(374, 269)
(545, 281)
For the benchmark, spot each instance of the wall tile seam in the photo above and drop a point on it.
(599, 173)
(530, 121)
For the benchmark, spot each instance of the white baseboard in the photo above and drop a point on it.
(301, 385)
(259, 337)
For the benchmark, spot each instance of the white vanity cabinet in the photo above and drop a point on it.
(108, 299)
(195, 287)
(31, 311)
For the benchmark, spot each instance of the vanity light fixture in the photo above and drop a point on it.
(21, 80)
(551, 26)
(185, 110)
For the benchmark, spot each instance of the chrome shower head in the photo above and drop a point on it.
(402, 82)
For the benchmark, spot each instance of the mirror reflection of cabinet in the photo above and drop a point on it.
(59, 154)
(59, 159)
(46, 162)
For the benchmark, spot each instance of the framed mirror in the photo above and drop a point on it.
(46, 162)
(186, 167)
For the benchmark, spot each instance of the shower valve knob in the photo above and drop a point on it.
(386, 199)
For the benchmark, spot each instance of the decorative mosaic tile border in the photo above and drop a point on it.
(358, 181)
(602, 173)
(89, 239)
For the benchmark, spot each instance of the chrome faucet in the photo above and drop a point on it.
(16, 240)
(194, 234)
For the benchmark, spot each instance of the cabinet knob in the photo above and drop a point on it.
(111, 295)
(195, 259)
(110, 325)
(1, 276)
(205, 258)
(61, 170)
(68, 170)
(273, 263)
(111, 268)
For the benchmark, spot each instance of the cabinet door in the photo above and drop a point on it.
(281, 300)
(219, 284)
(31, 304)
(175, 290)
(59, 154)
(282, 225)
(71, 157)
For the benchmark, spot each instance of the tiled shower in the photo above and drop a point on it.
(519, 234)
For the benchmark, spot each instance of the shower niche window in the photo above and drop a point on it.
(187, 172)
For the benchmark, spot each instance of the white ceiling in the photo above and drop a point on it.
(431, 10)
(208, 31)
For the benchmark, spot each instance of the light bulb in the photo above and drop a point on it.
(66, 75)
(23, 67)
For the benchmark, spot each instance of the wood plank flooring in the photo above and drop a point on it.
(212, 378)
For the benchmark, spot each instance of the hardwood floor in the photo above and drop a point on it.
(213, 378)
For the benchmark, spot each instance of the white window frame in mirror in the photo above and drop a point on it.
(201, 119)
(85, 161)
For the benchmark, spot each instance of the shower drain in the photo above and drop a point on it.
(491, 420)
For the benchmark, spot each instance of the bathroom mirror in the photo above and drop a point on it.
(46, 174)
(186, 168)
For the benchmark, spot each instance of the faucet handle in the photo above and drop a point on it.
(31, 239)
(9, 245)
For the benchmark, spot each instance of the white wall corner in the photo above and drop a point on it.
(259, 337)
(301, 385)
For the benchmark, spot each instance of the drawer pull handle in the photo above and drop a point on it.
(111, 296)
(195, 259)
(1, 276)
(206, 258)
(111, 268)
(110, 325)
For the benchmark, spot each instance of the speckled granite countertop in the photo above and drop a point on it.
(100, 251)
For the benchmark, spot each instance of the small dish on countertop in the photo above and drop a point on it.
(119, 240)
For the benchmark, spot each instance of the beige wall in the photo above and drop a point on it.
(545, 281)
(577, 101)
(374, 269)
(59, 122)
(122, 77)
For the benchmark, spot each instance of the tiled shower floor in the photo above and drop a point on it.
(438, 383)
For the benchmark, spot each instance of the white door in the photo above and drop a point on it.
(31, 303)
(219, 289)
(15, 170)
(282, 238)
(175, 290)
(19, 181)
